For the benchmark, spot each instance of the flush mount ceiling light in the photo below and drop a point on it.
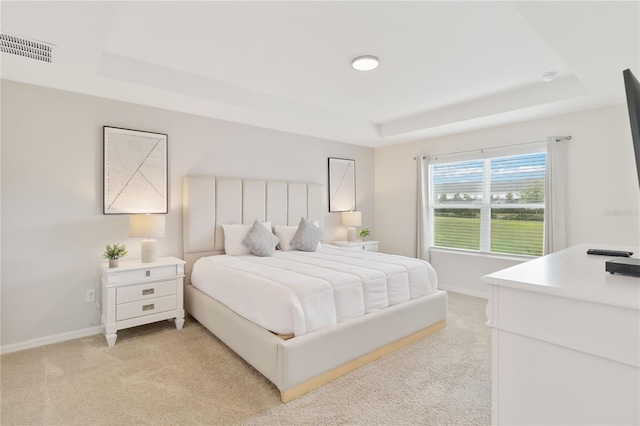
(548, 76)
(365, 63)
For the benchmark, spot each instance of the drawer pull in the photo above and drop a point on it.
(148, 307)
(148, 274)
(147, 291)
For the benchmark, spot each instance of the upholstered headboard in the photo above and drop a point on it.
(209, 202)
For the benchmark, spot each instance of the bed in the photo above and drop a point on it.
(313, 357)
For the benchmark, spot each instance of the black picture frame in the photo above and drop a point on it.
(342, 185)
(135, 171)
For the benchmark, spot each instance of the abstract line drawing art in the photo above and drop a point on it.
(135, 171)
(342, 185)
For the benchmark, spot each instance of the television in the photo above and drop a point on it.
(632, 88)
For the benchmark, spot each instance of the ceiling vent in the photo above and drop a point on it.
(37, 50)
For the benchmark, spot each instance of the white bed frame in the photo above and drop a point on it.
(299, 365)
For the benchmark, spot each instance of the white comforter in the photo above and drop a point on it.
(295, 292)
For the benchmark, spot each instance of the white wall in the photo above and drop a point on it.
(602, 193)
(53, 229)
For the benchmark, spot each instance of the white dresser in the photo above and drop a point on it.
(565, 342)
(138, 293)
(357, 245)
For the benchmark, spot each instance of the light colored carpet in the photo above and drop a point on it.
(158, 375)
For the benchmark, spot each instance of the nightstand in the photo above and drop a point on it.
(137, 293)
(358, 245)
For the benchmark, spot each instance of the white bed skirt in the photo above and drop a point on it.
(291, 363)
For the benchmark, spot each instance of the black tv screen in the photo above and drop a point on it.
(632, 88)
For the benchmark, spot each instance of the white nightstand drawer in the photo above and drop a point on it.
(145, 307)
(357, 245)
(366, 247)
(146, 274)
(145, 291)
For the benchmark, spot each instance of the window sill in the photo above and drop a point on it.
(512, 257)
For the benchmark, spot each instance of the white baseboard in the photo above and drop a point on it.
(57, 338)
(463, 290)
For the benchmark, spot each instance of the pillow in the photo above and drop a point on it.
(307, 236)
(286, 233)
(260, 241)
(233, 236)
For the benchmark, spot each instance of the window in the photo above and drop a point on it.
(490, 205)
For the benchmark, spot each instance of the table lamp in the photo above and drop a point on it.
(148, 226)
(351, 220)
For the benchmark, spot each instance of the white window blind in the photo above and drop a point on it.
(493, 204)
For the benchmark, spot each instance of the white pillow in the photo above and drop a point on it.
(233, 237)
(286, 233)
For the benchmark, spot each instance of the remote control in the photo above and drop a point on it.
(614, 253)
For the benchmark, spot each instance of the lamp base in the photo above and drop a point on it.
(351, 234)
(148, 251)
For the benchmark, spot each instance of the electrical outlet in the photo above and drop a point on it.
(90, 296)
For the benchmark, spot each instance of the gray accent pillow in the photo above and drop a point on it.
(260, 240)
(307, 236)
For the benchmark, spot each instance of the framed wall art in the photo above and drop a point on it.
(135, 171)
(342, 185)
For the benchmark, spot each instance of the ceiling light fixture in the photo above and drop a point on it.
(365, 63)
(548, 76)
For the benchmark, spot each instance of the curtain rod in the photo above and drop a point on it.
(481, 150)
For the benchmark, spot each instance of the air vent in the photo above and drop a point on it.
(24, 47)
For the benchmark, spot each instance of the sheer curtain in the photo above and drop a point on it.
(555, 196)
(422, 213)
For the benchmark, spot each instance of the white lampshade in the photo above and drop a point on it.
(146, 226)
(352, 218)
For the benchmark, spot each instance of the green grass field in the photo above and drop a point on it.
(507, 236)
